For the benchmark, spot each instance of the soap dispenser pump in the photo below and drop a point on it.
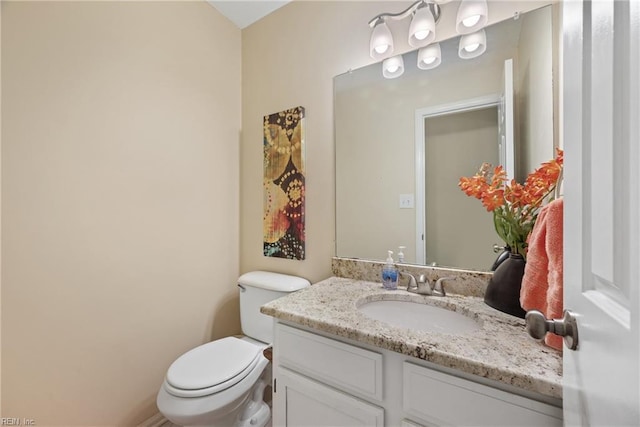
(390, 273)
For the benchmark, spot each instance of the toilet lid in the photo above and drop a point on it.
(212, 364)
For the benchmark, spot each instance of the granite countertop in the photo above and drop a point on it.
(500, 350)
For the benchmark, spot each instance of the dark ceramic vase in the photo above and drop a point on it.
(503, 290)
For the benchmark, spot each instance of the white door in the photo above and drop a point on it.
(601, 46)
(505, 121)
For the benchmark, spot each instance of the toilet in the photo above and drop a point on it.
(222, 383)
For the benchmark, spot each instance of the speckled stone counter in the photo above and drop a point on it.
(500, 350)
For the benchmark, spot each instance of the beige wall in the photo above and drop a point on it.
(120, 154)
(290, 58)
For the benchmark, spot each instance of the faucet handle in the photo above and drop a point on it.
(438, 287)
(412, 280)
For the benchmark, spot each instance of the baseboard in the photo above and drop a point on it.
(155, 421)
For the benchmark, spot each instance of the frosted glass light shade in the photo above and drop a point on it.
(393, 67)
(472, 45)
(429, 57)
(472, 16)
(381, 44)
(422, 29)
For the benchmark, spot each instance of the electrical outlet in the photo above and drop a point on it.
(406, 201)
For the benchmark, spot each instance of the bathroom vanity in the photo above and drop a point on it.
(335, 365)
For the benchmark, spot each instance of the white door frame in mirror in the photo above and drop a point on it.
(420, 115)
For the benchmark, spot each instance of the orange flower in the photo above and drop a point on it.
(499, 177)
(474, 186)
(516, 194)
(492, 199)
(515, 206)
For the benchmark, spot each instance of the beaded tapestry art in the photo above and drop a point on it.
(283, 220)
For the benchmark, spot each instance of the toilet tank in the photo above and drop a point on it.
(258, 288)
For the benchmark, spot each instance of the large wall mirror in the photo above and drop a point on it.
(402, 144)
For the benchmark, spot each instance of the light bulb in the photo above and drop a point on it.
(381, 48)
(472, 47)
(392, 68)
(471, 21)
(421, 35)
(429, 60)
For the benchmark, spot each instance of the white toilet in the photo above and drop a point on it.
(222, 383)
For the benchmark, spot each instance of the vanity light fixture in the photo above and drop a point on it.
(472, 45)
(393, 67)
(472, 17)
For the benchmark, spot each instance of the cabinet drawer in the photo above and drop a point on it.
(343, 366)
(443, 399)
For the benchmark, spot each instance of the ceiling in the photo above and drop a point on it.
(245, 12)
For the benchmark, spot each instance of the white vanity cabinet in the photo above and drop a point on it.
(323, 381)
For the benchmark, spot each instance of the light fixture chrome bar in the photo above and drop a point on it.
(435, 10)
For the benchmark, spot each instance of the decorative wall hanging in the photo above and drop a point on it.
(283, 220)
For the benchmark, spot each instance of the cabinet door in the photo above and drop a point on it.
(300, 401)
(436, 398)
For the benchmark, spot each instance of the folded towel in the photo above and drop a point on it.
(542, 287)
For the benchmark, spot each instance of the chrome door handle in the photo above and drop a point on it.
(567, 327)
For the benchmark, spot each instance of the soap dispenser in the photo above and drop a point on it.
(390, 273)
(401, 253)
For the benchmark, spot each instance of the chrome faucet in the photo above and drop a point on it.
(423, 286)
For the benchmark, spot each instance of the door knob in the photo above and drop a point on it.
(567, 327)
(497, 248)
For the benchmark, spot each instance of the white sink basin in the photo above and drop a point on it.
(416, 316)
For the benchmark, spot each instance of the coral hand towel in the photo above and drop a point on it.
(542, 286)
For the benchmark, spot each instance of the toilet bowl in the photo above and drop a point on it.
(210, 384)
(222, 383)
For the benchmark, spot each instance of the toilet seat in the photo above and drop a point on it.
(212, 367)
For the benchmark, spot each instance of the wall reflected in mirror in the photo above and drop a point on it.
(378, 148)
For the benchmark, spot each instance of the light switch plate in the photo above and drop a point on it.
(406, 201)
